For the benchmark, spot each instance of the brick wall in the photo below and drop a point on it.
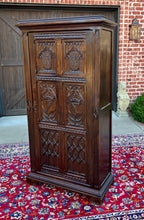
(131, 53)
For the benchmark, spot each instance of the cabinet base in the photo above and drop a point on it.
(92, 193)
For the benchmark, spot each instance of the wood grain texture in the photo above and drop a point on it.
(71, 116)
(11, 71)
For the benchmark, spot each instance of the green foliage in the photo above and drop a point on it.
(137, 109)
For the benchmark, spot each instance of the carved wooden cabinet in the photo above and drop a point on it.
(68, 66)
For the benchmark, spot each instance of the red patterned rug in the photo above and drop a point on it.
(124, 200)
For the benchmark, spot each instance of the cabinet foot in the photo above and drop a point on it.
(94, 195)
(32, 181)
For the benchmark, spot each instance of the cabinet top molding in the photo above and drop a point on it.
(92, 20)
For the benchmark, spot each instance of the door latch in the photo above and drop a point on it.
(95, 113)
(28, 106)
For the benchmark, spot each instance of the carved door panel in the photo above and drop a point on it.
(76, 160)
(74, 105)
(48, 105)
(50, 149)
(74, 57)
(46, 57)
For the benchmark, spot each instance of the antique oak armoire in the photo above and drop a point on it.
(68, 67)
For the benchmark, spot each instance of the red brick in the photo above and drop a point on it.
(140, 83)
(138, 16)
(135, 93)
(131, 90)
(137, 4)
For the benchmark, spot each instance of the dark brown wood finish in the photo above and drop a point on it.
(105, 104)
(68, 67)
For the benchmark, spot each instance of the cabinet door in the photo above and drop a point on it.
(46, 102)
(61, 69)
(77, 101)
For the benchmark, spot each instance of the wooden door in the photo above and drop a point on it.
(61, 68)
(12, 93)
(11, 68)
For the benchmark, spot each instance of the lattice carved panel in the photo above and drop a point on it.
(76, 153)
(46, 57)
(75, 105)
(74, 57)
(50, 147)
(48, 102)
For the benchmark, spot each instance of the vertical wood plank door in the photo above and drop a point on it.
(11, 68)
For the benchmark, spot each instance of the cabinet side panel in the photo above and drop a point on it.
(105, 105)
(105, 145)
(105, 65)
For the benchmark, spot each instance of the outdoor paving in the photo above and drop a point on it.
(126, 125)
(14, 129)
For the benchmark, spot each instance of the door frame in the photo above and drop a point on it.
(115, 9)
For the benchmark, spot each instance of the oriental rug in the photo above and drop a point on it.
(124, 199)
